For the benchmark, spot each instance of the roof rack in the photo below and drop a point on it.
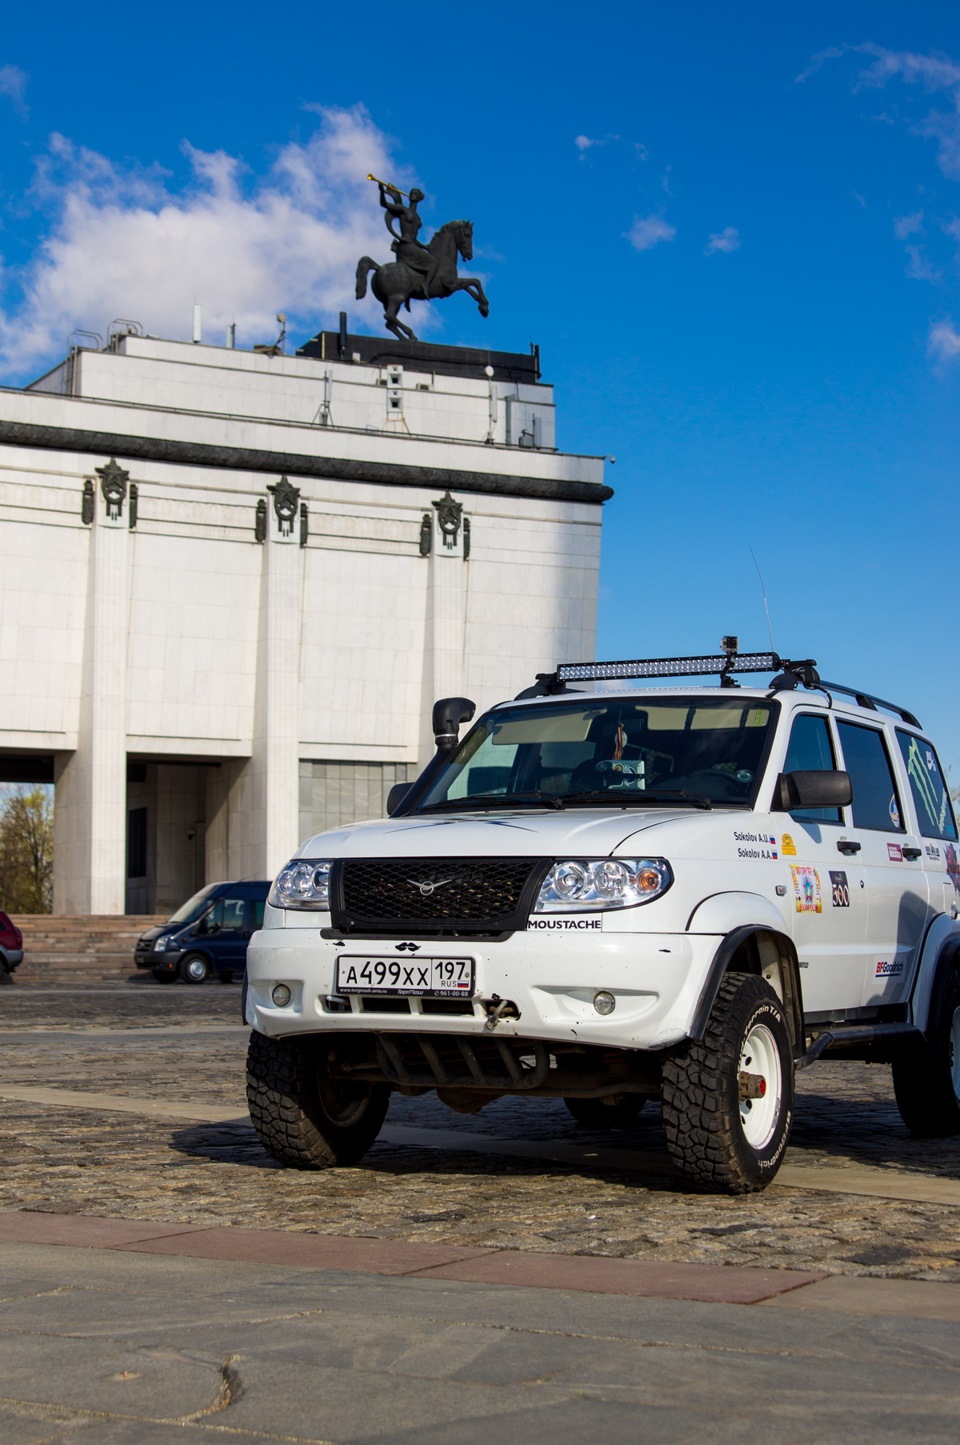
(791, 674)
(867, 699)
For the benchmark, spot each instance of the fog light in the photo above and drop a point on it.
(281, 995)
(604, 1002)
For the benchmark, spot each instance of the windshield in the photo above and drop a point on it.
(703, 751)
(193, 907)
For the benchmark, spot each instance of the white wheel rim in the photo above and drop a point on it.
(760, 1056)
(953, 1045)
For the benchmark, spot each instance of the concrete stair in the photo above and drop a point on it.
(91, 948)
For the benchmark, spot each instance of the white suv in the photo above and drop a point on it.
(623, 893)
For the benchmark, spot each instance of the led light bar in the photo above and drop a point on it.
(669, 667)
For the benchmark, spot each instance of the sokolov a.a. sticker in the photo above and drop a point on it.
(806, 888)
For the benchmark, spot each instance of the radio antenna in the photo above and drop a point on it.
(765, 605)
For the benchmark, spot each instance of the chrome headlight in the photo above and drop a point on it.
(303, 883)
(579, 884)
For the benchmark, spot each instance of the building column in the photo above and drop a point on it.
(262, 804)
(446, 612)
(90, 816)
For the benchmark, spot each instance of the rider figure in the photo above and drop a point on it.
(405, 244)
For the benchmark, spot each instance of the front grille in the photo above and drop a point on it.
(437, 895)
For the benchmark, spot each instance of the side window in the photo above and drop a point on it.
(931, 796)
(875, 800)
(233, 912)
(256, 913)
(810, 749)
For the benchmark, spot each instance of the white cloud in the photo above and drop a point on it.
(647, 231)
(726, 240)
(124, 242)
(932, 73)
(905, 226)
(943, 342)
(13, 84)
(584, 143)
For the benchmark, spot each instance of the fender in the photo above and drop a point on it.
(739, 916)
(721, 912)
(942, 940)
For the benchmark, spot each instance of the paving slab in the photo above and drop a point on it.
(626, 1276)
(87, 1231)
(310, 1251)
(902, 1298)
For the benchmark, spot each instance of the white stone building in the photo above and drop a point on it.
(233, 583)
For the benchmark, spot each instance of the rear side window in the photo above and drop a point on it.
(810, 749)
(931, 796)
(875, 800)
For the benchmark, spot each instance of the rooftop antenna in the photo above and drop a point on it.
(765, 606)
(197, 329)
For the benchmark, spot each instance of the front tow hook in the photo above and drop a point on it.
(498, 1008)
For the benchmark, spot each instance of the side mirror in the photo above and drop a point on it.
(812, 788)
(448, 714)
(396, 796)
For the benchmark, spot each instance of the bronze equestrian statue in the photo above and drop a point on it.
(420, 273)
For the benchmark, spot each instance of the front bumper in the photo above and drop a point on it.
(11, 958)
(167, 960)
(551, 979)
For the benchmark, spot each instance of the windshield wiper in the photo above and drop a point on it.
(502, 800)
(631, 795)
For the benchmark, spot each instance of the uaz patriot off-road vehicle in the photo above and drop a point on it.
(623, 893)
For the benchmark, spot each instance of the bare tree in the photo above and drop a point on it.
(26, 849)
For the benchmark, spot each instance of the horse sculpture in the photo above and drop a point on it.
(396, 284)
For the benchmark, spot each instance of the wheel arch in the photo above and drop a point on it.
(940, 947)
(766, 952)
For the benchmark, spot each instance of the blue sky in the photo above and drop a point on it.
(734, 230)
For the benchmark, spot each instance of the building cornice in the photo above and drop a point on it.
(341, 469)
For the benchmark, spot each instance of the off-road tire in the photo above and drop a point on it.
(164, 975)
(190, 968)
(717, 1141)
(598, 1114)
(926, 1075)
(302, 1117)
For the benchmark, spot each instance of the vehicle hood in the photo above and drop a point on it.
(158, 930)
(523, 832)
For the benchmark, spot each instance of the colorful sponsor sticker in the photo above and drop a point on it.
(894, 811)
(788, 847)
(889, 970)
(953, 865)
(806, 889)
(894, 852)
(839, 890)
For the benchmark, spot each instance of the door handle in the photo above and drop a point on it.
(848, 845)
(911, 852)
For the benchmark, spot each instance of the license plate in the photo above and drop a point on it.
(424, 977)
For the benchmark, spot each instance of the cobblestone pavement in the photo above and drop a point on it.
(184, 1044)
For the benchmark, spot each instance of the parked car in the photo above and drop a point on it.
(207, 935)
(11, 948)
(621, 893)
